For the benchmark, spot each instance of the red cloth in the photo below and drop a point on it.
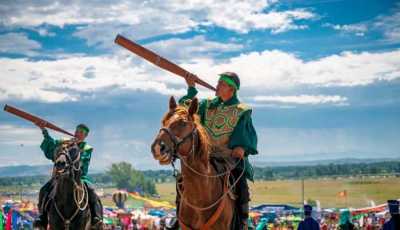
(9, 218)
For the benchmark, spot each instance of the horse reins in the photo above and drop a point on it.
(178, 141)
(194, 136)
(77, 188)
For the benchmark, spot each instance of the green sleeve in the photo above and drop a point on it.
(85, 160)
(191, 93)
(202, 110)
(244, 135)
(48, 145)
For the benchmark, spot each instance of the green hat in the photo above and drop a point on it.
(230, 78)
(83, 127)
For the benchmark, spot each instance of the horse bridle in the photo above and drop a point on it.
(175, 155)
(77, 188)
(176, 141)
(65, 152)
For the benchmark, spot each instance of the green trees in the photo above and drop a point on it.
(124, 176)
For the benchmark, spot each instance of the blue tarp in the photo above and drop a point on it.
(275, 208)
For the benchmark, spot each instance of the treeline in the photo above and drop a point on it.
(330, 170)
(101, 179)
(23, 180)
(124, 176)
(298, 172)
(120, 175)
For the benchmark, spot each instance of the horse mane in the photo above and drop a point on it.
(204, 142)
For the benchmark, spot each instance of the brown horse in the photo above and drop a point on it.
(205, 203)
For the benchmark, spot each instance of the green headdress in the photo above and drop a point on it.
(231, 79)
(83, 127)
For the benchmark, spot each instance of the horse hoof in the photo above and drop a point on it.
(99, 225)
(37, 224)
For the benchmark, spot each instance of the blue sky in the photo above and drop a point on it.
(322, 76)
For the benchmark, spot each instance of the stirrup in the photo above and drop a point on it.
(97, 224)
(38, 223)
(244, 224)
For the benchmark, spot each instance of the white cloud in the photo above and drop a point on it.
(357, 29)
(19, 136)
(390, 25)
(18, 43)
(244, 16)
(303, 99)
(278, 69)
(366, 142)
(141, 19)
(67, 79)
(45, 32)
(198, 46)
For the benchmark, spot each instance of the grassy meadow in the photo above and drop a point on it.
(360, 191)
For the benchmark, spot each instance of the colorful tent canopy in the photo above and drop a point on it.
(152, 203)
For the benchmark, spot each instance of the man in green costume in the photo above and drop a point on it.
(229, 125)
(48, 146)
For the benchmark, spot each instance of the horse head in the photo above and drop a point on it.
(67, 162)
(181, 135)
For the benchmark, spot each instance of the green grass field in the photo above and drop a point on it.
(360, 191)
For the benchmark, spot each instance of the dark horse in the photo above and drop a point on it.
(204, 203)
(67, 206)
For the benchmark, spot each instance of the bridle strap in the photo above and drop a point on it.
(178, 141)
(76, 186)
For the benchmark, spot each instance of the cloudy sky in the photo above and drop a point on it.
(322, 76)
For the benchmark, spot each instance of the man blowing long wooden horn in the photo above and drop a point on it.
(229, 125)
(48, 147)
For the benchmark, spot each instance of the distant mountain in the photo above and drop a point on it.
(25, 170)
(31, 170)
(323, 159)
(321, 162)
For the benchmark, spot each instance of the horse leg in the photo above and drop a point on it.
(44, 193)
(95, 206)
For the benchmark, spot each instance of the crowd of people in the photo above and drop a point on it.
(20, 215)
(344, 220)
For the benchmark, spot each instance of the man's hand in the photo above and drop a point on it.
(41, 124)
(238, 152)
(190, 80)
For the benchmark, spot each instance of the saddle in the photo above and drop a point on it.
(223, 165)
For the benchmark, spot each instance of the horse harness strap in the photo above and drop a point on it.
(216, 214)
(178, 141)
(67, 222)
(76, 190)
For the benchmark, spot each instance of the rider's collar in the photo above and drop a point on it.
(218, 101)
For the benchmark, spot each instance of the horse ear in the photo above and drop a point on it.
(193, 106)
(172, 103)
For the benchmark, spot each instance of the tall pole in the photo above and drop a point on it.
(302, 191)
(302, 196)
